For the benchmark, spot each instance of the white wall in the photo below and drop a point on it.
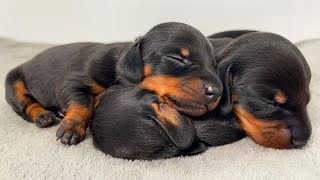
(61, 21)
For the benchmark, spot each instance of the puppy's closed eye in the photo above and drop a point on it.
(180, 59)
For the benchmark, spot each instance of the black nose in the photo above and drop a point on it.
(301, 131)
(298, 143)
(211, 92)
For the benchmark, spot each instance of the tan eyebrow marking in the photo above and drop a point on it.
(147, 70)
(280, 97)
(184, 52)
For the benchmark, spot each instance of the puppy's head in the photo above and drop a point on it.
(266, 83)
(132, 123)
(175, 61)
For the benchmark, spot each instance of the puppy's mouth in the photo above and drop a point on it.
(187, 107)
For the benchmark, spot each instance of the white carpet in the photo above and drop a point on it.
(27, 152)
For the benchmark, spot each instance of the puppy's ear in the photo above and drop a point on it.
(182, 136)
(130, 67)
(178, 128)
(225, 75)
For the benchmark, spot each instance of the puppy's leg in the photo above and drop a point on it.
(217, 131)
(78, 104)
(23, 103)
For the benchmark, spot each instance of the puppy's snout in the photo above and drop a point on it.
(300, 129)
(212, 95)
(300, 136)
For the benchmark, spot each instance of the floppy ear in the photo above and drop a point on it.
(178, 128)
(130, 67)
(182, 135)
(225, 75)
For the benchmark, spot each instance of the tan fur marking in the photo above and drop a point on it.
(185, 52)
(97, 88)
(280, 97)
(77, 118)
(21, 91)
(78, 112)
(169, 85)
(147, 70)
(166, 114)
(34, 110)
(270, 134)
(163, 85)
(213, 106)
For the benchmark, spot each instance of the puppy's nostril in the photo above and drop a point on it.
(209, 91)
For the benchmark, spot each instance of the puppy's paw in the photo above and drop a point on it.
(46, 119)
(71, 132)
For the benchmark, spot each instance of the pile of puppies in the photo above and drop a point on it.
(171, 92)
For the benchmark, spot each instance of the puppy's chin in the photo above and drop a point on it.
(186, 107)
(269, 134)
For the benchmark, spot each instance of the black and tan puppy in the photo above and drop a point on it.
(132, 123)
(173, 60)
(266, 84)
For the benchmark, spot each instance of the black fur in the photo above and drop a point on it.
(231, 34)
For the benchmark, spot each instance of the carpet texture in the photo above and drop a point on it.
(28, 152)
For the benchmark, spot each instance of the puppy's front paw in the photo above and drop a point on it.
(46, 119)
(71, 132)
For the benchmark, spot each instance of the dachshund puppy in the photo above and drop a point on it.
(266, 85)
(132, 123)
(173, 60)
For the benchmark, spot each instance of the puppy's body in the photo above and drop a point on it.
(173, 60)
(77, 65)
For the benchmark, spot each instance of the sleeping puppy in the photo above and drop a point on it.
(132, 123)
(173, 60)
(266, 85)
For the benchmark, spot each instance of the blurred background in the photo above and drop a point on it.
(63, 21)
